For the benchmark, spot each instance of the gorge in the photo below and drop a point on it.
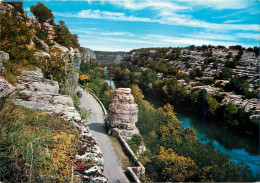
(54, 95)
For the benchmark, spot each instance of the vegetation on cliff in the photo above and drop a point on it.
(18, 38)
(35, 146)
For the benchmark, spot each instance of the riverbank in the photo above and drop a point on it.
(238, 147)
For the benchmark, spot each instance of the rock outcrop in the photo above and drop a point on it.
(74, 57)
(123, 113)
(49, 30)
(36, 92)
(87, 54)
(42, 44)
(111, 57)
(5, 88)
(42, 54)
(3, 58)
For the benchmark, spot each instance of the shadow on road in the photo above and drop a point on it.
(97, 127)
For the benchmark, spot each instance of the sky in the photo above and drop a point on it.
(123, 25)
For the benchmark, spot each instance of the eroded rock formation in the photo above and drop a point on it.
(123, 113)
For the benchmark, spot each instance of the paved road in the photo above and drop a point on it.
(113, 170)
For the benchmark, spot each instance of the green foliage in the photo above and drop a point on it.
(84, 114)
(76, 101)
(238, 85)
(96, 84)
(195, 73)
(135, 142)
(43, 13)
(169, 166)
(191, 160)
(64, 37)
(15, 37)
(40, 34)
(18, 6)
(55, 68)
(226, 73)
(121, 76)
(31, 141)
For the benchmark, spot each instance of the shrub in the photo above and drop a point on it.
(31, 141)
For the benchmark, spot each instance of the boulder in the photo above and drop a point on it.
(5, 88)
(33, 81)
(61, 48)
(44, 45)
(3, 57)
(42, 54)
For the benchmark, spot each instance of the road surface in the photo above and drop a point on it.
(112, 166)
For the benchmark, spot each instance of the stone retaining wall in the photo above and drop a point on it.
(97, 99)
(138, 170)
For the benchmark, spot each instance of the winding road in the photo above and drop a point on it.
(112, 166)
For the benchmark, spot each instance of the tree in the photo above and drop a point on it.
(18, 6)
(215, 65)
(63, 35)
(43, 13)
(15, 36)
(137, 93)
(229, 111)
(169, 166)
(239, 85)
(226, 73)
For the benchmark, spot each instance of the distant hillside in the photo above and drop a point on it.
(108, 58)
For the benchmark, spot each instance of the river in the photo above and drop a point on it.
(240, 149)
(110, 82)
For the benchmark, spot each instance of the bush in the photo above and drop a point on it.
(43, 13)
(31, 141)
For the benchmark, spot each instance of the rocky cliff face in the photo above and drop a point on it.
(87, 54)
(111, 58)
(123, 113)
(73, 57)
(36, 92)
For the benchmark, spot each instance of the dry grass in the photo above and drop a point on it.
(125, 161)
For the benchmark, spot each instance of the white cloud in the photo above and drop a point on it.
(108, 43)
(219, 4)
(184, 41)
(97, 14)
(139, 5)
(248, 36)
(117, 34)
(211, 36)
(164, 17)
(232, 21)
(99, 32)
(171, 18)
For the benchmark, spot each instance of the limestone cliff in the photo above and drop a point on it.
(73, 57)
(35, 92)
(110, 57)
